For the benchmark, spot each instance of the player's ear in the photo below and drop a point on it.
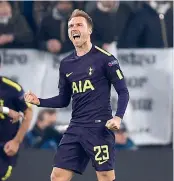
(90, 31)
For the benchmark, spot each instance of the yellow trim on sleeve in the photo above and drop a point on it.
(120, 76)
(8, 173)
(12, 84)
(103, 51)
(29, 105)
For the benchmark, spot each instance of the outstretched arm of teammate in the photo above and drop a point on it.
(59, 101)
(12, 146)
(16, 116)
(116, 77)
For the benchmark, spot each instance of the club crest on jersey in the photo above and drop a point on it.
(91, 70)
(113, 62)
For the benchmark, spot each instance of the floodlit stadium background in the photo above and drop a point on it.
(140, 35)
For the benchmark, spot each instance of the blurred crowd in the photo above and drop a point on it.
(43, 24)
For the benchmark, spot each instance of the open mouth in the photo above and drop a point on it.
(76, 36)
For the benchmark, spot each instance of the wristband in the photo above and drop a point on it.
(5, 110)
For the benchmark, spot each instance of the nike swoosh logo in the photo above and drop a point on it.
(101, 162)
(67, 75)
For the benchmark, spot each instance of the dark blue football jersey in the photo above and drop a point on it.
(11, 96)
(87, 80)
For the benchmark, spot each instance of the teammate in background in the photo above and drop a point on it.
(86, 75)
(12, 105)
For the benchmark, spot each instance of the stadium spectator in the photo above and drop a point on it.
(14, 30)
(122, 141)
(44, 135)
(152, 27)
(80, 4)
(40, 10)
(134, 5)
(109, 19)
(52, 35)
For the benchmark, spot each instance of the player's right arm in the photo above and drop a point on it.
(59, 101)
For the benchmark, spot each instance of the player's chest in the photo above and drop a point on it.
(82, 71)
(85, 76)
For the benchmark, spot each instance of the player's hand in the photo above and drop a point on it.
(11, 147)
(16, 116)
(54, 46)
(31, 98)
(114, 123)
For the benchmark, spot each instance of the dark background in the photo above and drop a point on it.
(148, 164)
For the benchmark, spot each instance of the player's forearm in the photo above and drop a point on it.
(123, 99)
(24, 126)
(59, 101)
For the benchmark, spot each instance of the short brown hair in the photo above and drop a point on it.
(81, 13)
(42, 112)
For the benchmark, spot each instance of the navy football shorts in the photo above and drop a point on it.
(80, 144)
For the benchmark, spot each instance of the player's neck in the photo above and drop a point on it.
(84, 49)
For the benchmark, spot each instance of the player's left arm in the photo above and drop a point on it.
(116, 77)
(11, 147)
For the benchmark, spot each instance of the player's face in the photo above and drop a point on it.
(49, 119)
(79, 31)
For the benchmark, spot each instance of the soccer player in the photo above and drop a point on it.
(11, 133)
(86, 75)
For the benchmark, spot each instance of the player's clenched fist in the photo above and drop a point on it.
(114, 123)
(31, 98)
(11, 147)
